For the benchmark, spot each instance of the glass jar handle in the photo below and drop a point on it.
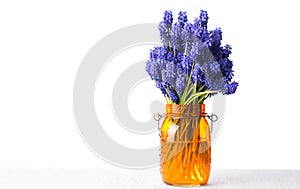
(213, 118)
(157, 117)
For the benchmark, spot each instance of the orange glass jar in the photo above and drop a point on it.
(185, 145)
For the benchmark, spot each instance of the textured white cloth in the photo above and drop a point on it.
(145, 179)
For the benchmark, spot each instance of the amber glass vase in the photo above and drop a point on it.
(185, 145)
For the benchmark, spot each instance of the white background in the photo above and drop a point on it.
(43, 43)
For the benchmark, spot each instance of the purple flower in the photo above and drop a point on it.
(189, 49)
(170, 57)
(195, 50)
(197, 29)
(226, 51)
(205, 37)
(188, 27)
(158, 53)
(178, 59)
(173, 96)
(161, 87)
(214, 67)
(170, 73)
(215, 37)
(168, 17)
(154, 71)
(203, 18)
(197, 75)
(164, 33)
(226, 68)
(187, 64)
(180, 84)
(176, 38)
(182, 18)
(231, 88)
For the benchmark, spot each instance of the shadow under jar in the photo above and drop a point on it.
(185, 145)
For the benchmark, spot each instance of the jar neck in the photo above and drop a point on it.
(189, 109)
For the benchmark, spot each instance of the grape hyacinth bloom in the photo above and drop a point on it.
(173, 96)
(203, 18)
(190, 57)
(187, 64)
(231, 87)
(176, 37)
(168, 17)
(215, 38)
(161, 87)
(182, 19)
(180, 84)
(170, 73)
(198, 76)
(163, 30)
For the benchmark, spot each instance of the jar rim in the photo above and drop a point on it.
(185, 105)
(179, 109)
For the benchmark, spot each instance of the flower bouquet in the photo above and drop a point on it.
(190, 66)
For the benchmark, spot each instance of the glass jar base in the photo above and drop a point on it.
(187, 185)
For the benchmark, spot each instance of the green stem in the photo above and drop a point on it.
(182, 101)
(196, 95)
(185, 50)
(168, 100)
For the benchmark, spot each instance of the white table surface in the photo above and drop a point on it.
(56, 178)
